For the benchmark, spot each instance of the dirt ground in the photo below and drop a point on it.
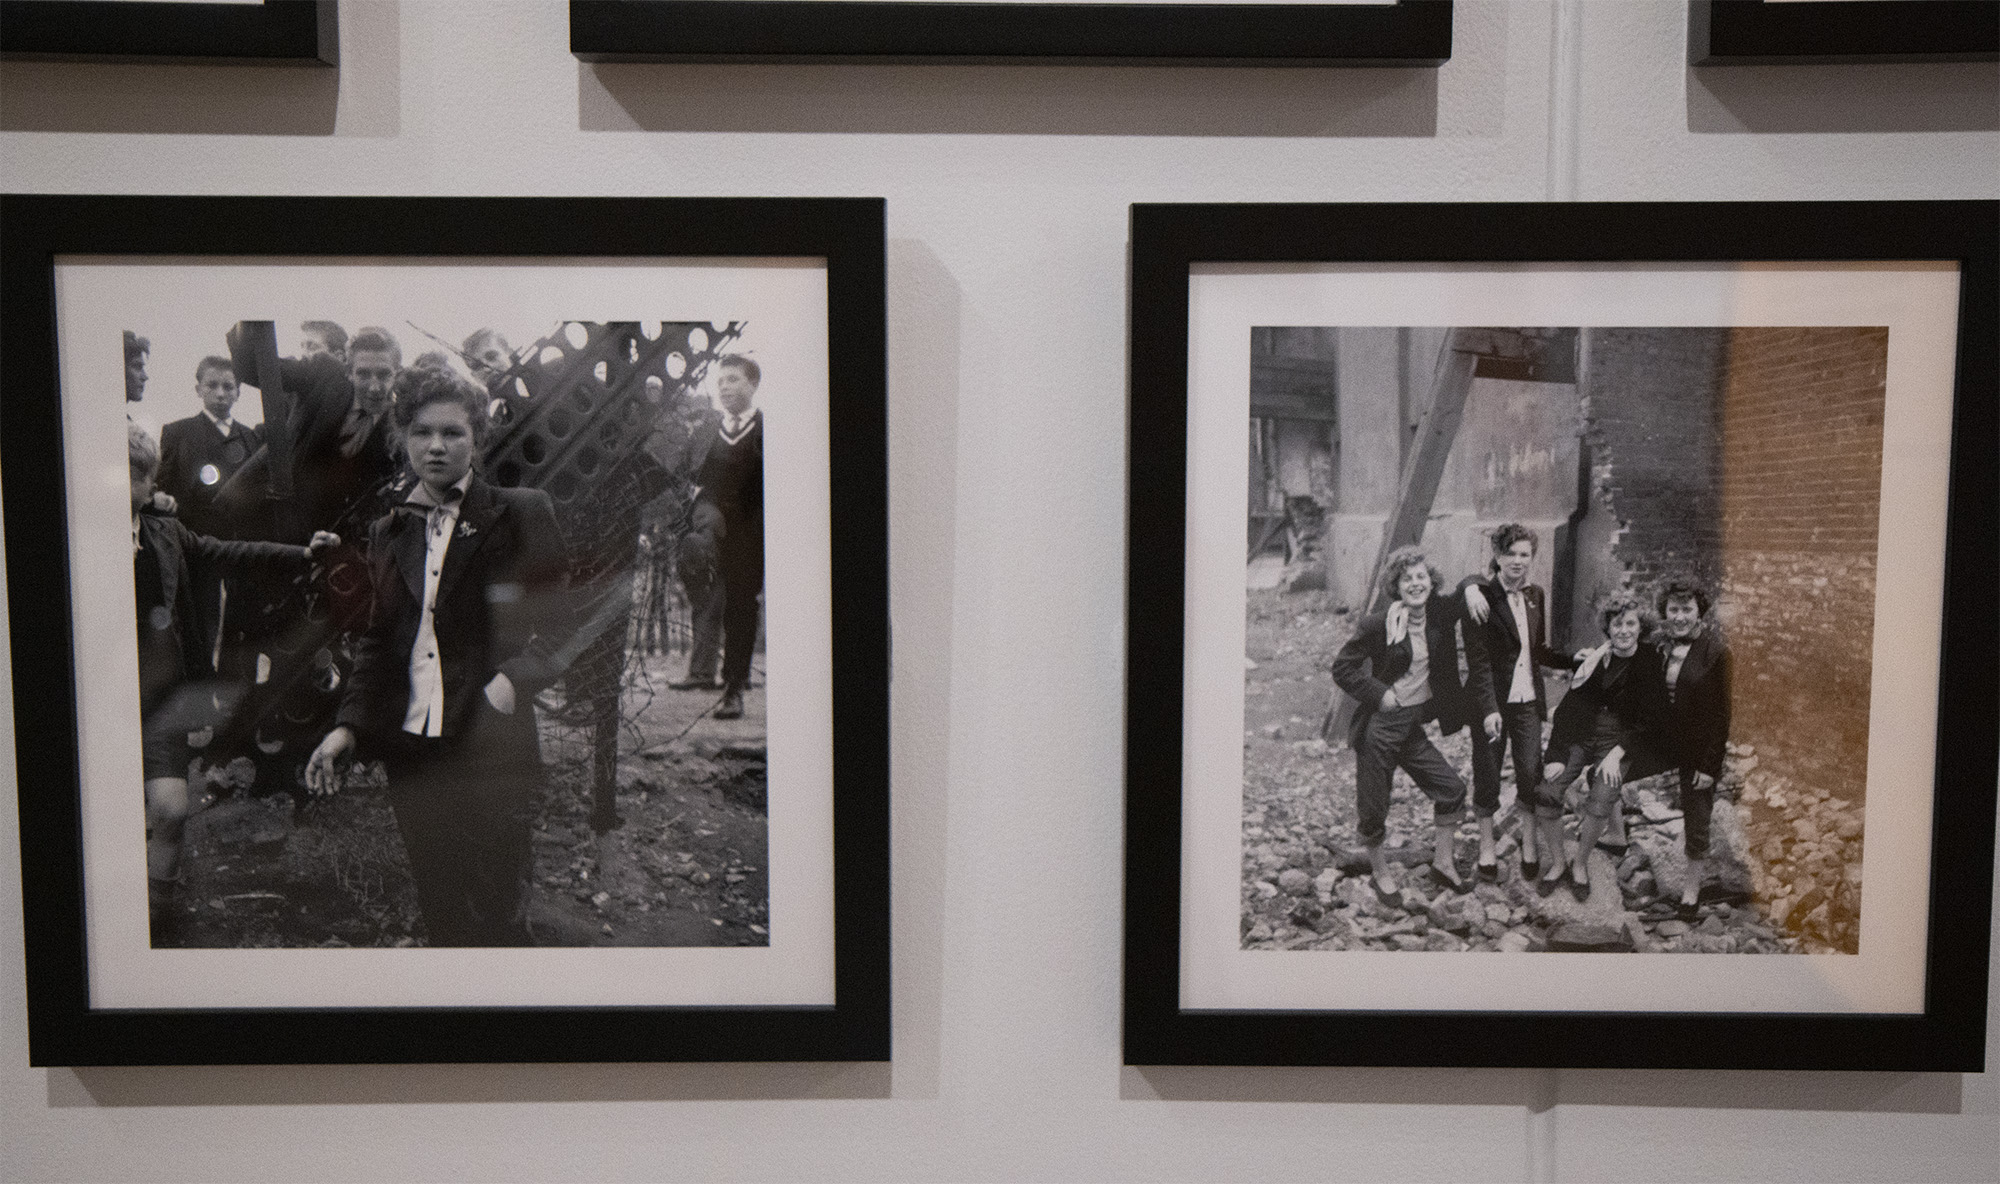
(1786, 860)
(686, 868)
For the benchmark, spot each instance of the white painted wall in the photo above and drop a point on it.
(1007, 192)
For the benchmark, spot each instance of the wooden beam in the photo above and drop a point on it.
(1450, 383)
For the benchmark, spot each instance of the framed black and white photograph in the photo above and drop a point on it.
(239, 32)
(1556, 638)
(1802, 32)
(509, 584)
(1336, 33)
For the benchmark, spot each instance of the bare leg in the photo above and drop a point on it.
(1586, 842)
(1552, 846)
(1487, 857)
(1614, 824)
(1385, 879)
(1697, 871)
(166, 812)
(1444, 849)
(166, 815)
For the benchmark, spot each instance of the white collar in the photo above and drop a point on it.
(421, 495)
(221, 425)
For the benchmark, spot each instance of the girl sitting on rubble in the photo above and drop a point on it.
(1606, 725)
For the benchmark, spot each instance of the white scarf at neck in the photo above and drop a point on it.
(1398, 622)
(1592, 659)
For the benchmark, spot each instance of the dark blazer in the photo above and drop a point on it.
(329, 491)
(1638, 697)
(173, 637)
(1367, 666)
(1696, 731)
(1491, 649)
(501, 608)
(187, 446)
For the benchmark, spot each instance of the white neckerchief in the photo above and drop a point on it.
(1591, 660)
(1398, 622)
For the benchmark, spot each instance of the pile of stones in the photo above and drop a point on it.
(1784, 876)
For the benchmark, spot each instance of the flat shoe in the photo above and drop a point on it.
(1393, 899)
(1489, 872)
(1613, 848)
(1579, 889)
(1687, 912)
(1548, 885)
(1531, 869)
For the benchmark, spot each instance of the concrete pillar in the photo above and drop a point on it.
(1369, 400)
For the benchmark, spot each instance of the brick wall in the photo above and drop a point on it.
(1752, 457)
(1651, 408)
(1801, 447)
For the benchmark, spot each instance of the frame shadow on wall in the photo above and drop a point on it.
(1912, 97)
(363, 97)
(1009, 100)
(1540, 1089)
(320, 1085)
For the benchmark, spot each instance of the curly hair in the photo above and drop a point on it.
(1505, 536)
(1616, 604)
(1682, 587)
(1403, 559)
(419, 386)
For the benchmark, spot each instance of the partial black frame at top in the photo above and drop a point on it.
(63, 1027)
(1167, 240)
(1760, 33)
(275, 32)
(1404, 33)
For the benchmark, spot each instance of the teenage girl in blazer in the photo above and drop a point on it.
(468, 593)
(1401, 668)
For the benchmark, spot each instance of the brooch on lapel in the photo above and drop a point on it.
(466, 529)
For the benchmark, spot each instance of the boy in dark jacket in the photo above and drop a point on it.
(177, 691)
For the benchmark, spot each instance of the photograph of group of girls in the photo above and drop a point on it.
(1559, 639)
(449, 634)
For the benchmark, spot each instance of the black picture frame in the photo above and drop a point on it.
(847, 233)
(1759, 33)
(274, 33)
(1166, 242)
(1405, 33)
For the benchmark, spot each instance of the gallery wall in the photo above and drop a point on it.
(1007, 194)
